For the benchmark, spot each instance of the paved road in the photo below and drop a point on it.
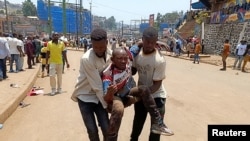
(198, 95)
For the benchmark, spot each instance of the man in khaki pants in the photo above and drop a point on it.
(246, 58)
(55, 53)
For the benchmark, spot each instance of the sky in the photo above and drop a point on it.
(127, 10)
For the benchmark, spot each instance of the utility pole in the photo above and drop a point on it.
(91, 17)
(77, 24)
(49, 20)
(122, 29)
(81, 20)
(64, 17)
(7, 16)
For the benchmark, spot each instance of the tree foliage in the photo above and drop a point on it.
(29, 9)
(110, 23)
(201, 17)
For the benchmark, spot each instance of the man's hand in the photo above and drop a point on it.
(68, 65)
(111, 90)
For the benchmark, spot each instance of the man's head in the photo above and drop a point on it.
(99, 41)
(55, 36)
(120, 58)
(149, 38)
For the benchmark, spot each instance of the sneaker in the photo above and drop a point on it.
(53, 92)
(222, 69)
(161, 129)
(59, 91)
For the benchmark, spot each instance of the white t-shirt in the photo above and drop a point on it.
(13, 45)
(20, 43)
(241, 49)
(151, 67)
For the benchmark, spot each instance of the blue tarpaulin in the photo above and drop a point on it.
(198, 5)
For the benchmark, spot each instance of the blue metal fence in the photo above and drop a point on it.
(72, 18)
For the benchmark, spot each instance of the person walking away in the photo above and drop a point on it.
(225, 53)
(197, 51)
(54, 53)
(246, 58)
(29, 50)
(4, 54)
(22, 54)
(38, 46)
(120, 92)
(240, 50)
(151, 67)
(88, 89)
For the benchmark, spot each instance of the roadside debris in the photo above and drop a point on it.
(14, 85)
(22, 104)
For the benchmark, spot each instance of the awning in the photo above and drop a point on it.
(198, 5)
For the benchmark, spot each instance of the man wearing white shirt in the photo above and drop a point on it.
(4, 53)
(240, 50)
(21, 57)
(14, 52)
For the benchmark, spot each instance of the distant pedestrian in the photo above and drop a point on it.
(113, 44)
(4, 54)
(240, 50)
(22, 52)
(189, 47)
(224, 54)
(197, 51)
(246, 58)
(54, 55)
(15, 52)
(42, 58)
(30, 51)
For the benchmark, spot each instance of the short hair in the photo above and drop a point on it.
(98, 34)
(150, 32)
(117, 50)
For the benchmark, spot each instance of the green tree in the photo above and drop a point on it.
(110, 23)
(29, 9)
(158, 20)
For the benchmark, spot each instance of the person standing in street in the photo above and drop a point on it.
(54, 55)
(246, 58)
(30, 51)
(151, 67)
(224, 54)
(4, 54)
(88, 90)
(197, 51)
(22, 55)
(240, 50)
(15, 52)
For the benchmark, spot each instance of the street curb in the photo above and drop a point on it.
(11, 106)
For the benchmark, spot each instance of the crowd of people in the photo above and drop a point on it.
(51, 53)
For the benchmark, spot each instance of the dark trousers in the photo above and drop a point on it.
(29, 61)
(3, 68)
(89, 111)
(140, 118)
(44, 67)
